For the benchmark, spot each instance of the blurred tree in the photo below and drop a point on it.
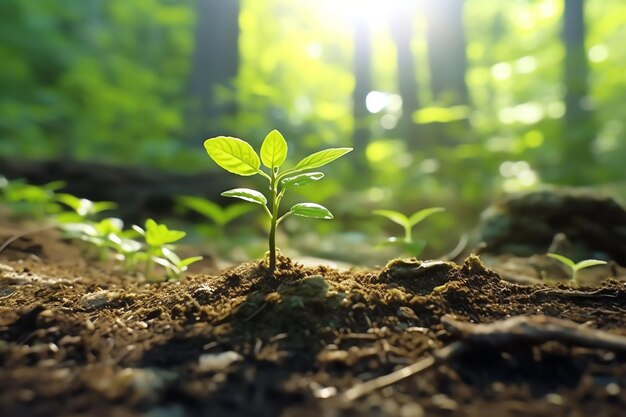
(362, 66)
(215, 64)
(402, 32)
(447, 61)
(579, 129)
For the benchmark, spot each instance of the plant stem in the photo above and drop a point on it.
(272, 237)
(407, 234)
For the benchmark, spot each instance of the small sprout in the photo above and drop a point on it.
(174, 266)
(38, 201)
(84, 209)
(407, 243)
(238, 156)
(159, 239)
(220, 216)
(575, 267)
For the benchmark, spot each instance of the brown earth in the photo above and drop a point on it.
(82, 339)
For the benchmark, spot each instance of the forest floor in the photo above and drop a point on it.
(79, 340)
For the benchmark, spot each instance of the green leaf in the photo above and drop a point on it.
(321, 158)
(236, 210)
(587, 263)
(234, 155)
(422, 214)
(246, 194)
(175, 260)
(203, 206)
(394, 216)
(188, 261)
(273, 150)
(159, 234)
(100, 206)
(312, 210)
(567, 261)
(301, 179)
(84, 207)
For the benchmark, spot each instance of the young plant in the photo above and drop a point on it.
(174, 266)
(221, 216)
(407, 243)
(158, 240)
(84, 210)
(575, 267)
(27, 200)
(97, 233)
(238, 156)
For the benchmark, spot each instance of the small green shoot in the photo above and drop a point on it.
(27, 200)
(97, 233)
(174, 266)
(575, 267)
(158, 239)
(84, 210)
(239, 157)
(407, 243)
(221, 216)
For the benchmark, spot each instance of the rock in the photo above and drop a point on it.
(216, 362)
(578, 224)
(97, 300)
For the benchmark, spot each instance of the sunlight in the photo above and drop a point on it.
(376, 101)
(375, 12)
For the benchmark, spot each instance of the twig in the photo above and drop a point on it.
(421, 365)
(534, 330)
(13, 238)
(600, 293)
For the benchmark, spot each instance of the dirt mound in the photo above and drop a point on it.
(81, 342)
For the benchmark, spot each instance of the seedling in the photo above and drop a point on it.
(174, 266)
(158, 240)
(407, 243)
(238, 156)
(221, 216)
(84, 210)
(37, 201)
(97, 233)
(575, 267)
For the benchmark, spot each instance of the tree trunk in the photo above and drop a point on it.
(579, 127)
(362, 86)
(401, 32)
(215, 65)
(445, 36)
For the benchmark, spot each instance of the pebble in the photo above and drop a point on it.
(612, 389)
(554, 399)
(444, 402)
(96, 300)
(215, 362)
(412, 410)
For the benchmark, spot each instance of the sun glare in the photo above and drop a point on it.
(375, 12)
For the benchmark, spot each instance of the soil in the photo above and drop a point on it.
(82, 339)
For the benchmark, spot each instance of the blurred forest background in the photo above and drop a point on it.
(447, 103)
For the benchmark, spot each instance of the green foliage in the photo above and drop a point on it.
(221, 216)
(106, 235)
(108, 81)
(174, 266)
(407, 244)
(27, 200)
(84, 209)
(159, 250)
(238, 157)
(575, 266)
